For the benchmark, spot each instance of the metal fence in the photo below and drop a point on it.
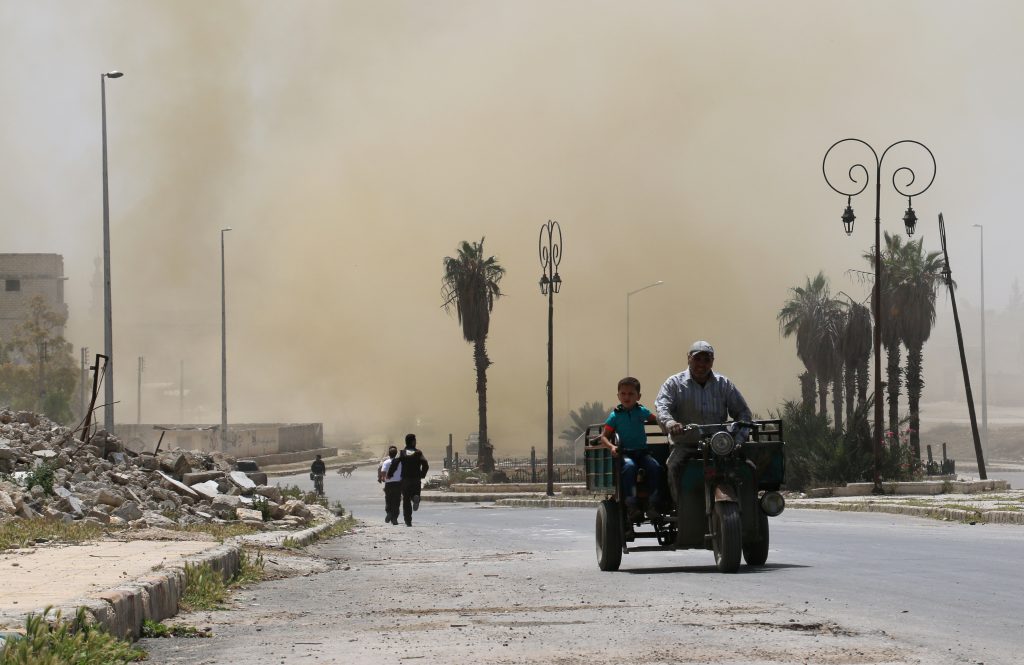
(526, 469)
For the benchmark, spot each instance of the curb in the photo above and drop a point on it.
(548, 503)
(947, 514)
(123, 609)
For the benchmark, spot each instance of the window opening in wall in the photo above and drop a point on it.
(12, 285)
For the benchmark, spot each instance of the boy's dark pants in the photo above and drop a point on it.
(392, 497)
(410, 488)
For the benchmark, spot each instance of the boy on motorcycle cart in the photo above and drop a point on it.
(627, 421)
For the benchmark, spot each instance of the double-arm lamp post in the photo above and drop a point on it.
(855, 172)
(550, 283)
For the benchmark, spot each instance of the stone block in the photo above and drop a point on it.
(127, 609)
(195, 477)
(180, 488)
(242, 481)
(206, 489)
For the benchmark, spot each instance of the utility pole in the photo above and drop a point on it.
(82, 380)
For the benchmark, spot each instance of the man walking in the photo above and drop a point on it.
(413, 466)
(392, 486)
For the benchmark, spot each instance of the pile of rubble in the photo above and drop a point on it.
(46, 472)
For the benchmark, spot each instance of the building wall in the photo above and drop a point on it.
(23, 276)
(244, 440)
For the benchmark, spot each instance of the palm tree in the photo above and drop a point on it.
(855, 349)
(917, 279)
(589, 414)
(810, 315)
(470, 285)
(890, 323)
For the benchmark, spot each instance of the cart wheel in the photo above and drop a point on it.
(609, 535)
(727, 536)
(756, 553)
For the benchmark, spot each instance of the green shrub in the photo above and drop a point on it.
(817, 455)
(262, 504)
(204, 588)
(152, 628)
(250, 570)
(75, 642)
(41, 475)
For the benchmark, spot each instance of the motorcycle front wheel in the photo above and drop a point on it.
(727, 536)
(609, 536)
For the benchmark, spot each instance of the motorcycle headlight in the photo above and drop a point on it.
(773, 504)
(722, 443)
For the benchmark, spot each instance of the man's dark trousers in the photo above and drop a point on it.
(392, 497)
(410, 488)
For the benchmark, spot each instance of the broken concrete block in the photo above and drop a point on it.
(108, 498)
(242, 481)
(129, 511)
(207, 489)
(191, 479)
(178, 487)
(249, 515)
(6, 504)
(273, 493)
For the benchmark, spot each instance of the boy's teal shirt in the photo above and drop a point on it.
(629, 425)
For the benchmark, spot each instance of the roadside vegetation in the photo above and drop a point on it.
(152, 628)
(24, 533)
(834, 339)
(820, 455)
(205, 588)
(74, 642)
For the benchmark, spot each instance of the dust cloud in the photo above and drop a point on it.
(351, 146)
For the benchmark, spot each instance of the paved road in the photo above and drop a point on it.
(505, 585)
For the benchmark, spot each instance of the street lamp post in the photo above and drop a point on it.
(649, 286)
(138, 399)
(984, 392)
(550, 284)
(108, 323)
(909, 220)
(223, 350)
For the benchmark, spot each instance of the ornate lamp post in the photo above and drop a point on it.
(643, 288)
(223, 350)
(550, 284)
(108, 321)
(854, 172)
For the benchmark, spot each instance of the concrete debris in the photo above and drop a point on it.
(45, 471)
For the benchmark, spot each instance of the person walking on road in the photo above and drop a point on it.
(413, 466)
(392, 486)
(317, 471)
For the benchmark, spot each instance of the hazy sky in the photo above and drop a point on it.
(352, 145)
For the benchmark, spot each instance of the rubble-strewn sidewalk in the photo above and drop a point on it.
(152, 508)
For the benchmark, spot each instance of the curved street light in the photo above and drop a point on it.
(108, 319)
(223, 350)
(550, 254)
(909, 221)
(643, 288)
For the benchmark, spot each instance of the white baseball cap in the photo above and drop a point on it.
(701, 346)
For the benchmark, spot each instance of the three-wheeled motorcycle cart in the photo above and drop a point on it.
(726, 481)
